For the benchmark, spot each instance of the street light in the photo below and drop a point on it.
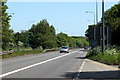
(103, 28)
(94, 26)
(94, 15)
(30, 23)
(89, 20)
(11, 13)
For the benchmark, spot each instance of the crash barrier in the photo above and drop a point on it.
(47, 50)
(7, 52)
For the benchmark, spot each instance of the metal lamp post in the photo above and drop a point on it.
(94, 27)
(93, 13)
(103, 28)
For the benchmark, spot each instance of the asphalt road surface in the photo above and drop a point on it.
(47, 65)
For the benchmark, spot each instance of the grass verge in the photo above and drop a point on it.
(20, 53)
(110, 56)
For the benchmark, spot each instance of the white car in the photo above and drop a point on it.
(64, 49)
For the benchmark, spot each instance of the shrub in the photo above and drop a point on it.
(110, 56)
(96, 50)
(40, 48)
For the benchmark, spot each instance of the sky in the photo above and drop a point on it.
(67, 17)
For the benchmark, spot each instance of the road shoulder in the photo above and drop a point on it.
(96, 70)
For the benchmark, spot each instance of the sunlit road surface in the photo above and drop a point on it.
(48, 65)
(56, 65)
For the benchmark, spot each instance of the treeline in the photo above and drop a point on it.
(40, 35)
(112, 20)
(43, 35)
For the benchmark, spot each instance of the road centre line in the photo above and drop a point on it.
(30, 66)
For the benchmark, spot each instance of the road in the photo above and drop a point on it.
(47, 65)
(56, 65)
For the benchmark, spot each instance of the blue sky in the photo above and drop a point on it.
(67, 17)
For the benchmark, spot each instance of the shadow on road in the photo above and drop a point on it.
(80, 57)
(93, 75)
(85, 50)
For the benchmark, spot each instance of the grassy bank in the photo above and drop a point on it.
(21, 48)
(21, 53)
(28, 52)
(110, 56)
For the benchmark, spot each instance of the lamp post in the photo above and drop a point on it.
(96, 14)
(103, 28)
(94, 28)
(0, 26)
(93, 13)
(11, 13)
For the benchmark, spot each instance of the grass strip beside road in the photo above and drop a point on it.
(20, 53)
(103, 58)
(28, 52)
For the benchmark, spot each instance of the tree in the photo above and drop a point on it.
(62, 39)
(7, 34)
(42, 35)
(16, 37)
(112, 18)
(20, 37)
(23, 35)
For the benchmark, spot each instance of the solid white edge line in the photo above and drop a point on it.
(80, 69)
(30, 66)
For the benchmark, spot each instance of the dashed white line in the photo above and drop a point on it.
(30, 66)
(80, 69)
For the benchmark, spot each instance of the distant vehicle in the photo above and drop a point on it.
(86, 48)
(64, 49)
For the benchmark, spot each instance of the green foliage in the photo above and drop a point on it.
(97, 50)
(42, 35)
(21, 53)
(62, 39)
(110, 56)
(112, 18)
(40, 48)
(7, 35)
(20, 37)
(72, 42)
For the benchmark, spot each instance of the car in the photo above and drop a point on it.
(64, 49)
(86, 48)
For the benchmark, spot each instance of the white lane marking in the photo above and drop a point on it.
(24, 68)
(80, 69)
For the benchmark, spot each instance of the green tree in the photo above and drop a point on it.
(112, 18)
(62, 39)
(16, 37)
(7, 33)
(20, 37)
(23, 35)
(42, 35)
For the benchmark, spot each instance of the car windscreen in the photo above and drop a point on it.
(64, 47)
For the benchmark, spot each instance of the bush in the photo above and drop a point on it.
(96, 50)
(110, 56)
(40, 48)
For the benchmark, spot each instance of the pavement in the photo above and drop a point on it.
(96, 70)
(55, 66)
